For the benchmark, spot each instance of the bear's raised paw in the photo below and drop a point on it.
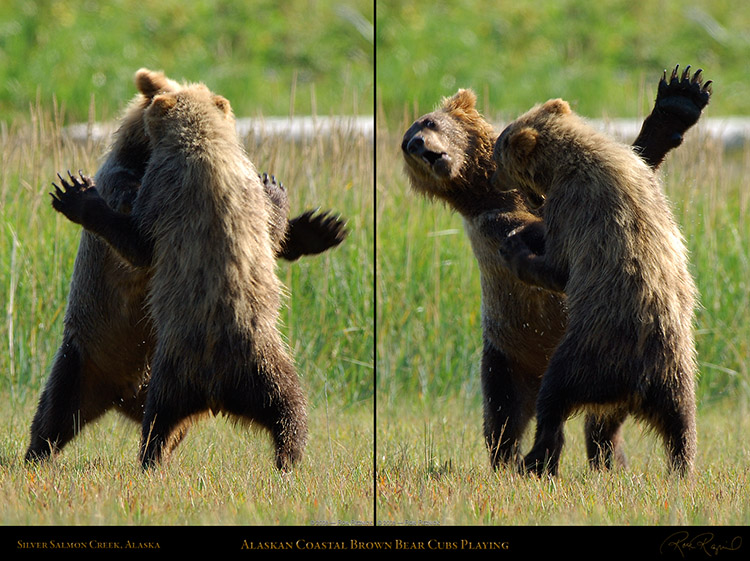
(72, 198)
(683, 96)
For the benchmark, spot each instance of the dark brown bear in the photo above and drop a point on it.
(103, 361)
(448, 156)
(612, 245)
(199, 224)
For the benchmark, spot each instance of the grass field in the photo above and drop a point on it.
(221, 474)
(433, 470)
(597, 55)
(268, 58)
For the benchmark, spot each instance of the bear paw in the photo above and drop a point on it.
(72, 198)
(311, 233)
(683, 97)
(269, 182)
(512, 248)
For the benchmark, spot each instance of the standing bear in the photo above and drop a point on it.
(103, 362)
(199, 225)
(612, 245)
(448, 156)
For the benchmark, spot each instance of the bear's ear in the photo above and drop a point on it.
(522, 142)
(223, 104)
(149, 83)
(557, 106)
(463, 100)
(163, 103)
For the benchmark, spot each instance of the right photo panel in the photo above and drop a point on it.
(562, 259)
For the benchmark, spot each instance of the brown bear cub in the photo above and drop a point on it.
(104, 360)
(200, 226)
(612, 245)
(448, 156)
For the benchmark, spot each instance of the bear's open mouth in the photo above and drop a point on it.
(432, 157)
(437, 163)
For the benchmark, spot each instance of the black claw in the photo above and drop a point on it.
(686, 72)
(674, 73)
(270, 180)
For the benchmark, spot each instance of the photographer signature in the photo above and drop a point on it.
(683, 543)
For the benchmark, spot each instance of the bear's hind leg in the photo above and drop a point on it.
(567, 385)
(507, 409)
(604, 440)
(273, 398)
(549, 439)
(169, 407)
(57, 419)
(672, 413)
(63, 409)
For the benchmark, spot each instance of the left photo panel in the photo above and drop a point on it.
(187, 264)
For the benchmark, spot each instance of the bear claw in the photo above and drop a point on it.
(683, 96)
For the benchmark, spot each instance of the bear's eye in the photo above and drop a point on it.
(429, 123)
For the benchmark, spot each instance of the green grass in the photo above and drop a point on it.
(433, 469)
(597, 55)
(266, 57)
(221, 474)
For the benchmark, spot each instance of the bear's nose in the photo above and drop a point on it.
(415, 145)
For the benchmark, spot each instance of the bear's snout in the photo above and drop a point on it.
(414, 145)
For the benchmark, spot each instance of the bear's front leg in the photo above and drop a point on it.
(81, 203)
(77, 200)
(679, 103)
(530, 267)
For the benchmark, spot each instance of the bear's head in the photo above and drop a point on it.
(131, 145)
(150, 83)
(443, 149)
(528, 149)
(188, 114)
